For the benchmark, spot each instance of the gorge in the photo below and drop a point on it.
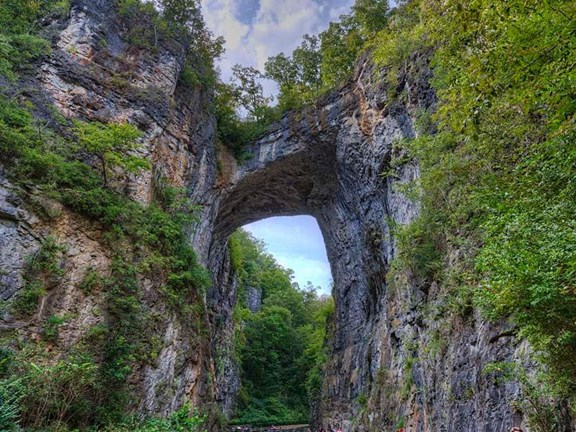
(401, 351)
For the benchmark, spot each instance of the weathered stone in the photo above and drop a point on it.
(254, 299)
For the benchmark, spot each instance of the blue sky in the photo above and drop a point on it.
(255, 30)
(296, 242)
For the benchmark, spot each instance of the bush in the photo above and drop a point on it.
(72, 380)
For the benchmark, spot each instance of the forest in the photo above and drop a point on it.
(280, 348)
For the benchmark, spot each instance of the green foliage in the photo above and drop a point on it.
(371, 15)
(183, 420)
(91, 282)
(299, 76)
(10, 397)
(19, 44)
(112, 145)
(245, 94)
(50, 332)
(340, 44)
(541, 401)
(73, 165)
(419, 247)
(325, 61)
(21, 16)
(248, 91)
(498, 176)
(408, 378)
(18, 51)
(403, 36)
(73, 380)
(281, 347)
(28, 299)
(318, 64)
(62, 394)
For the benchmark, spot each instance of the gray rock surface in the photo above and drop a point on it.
(17, 240)
(254, 299)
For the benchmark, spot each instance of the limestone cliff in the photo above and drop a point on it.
(94, 73)
(395, 356)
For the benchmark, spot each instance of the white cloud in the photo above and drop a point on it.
(305, 270)
(277, 26)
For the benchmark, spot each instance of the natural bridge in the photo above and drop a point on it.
(329, 162)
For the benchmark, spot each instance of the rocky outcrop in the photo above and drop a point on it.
(95, 74)
(396, 357)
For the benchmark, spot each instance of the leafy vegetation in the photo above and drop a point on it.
(19, 44)
(322, 62)
(498, 176)
(242, 110)
(29, 388)
(280, 347)
(42, 272)
(112, 145)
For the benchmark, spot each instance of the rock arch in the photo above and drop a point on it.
(327, 162)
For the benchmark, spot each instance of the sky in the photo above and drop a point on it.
(296, 242)
(255, 30)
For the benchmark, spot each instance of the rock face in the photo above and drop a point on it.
(394, 357)
(94, 74)
(254, 299)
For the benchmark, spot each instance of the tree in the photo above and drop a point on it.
(307, 58)
(112, 145)
(371, 15)
(249, 92)
(298, 76)
(183, 12)
(282, 70)
(281, 347)
(340, 45)
(326, 60)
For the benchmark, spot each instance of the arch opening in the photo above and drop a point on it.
(281, 315)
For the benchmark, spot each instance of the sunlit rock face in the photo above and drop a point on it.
(393, 357)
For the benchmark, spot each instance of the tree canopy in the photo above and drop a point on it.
(281, 347)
